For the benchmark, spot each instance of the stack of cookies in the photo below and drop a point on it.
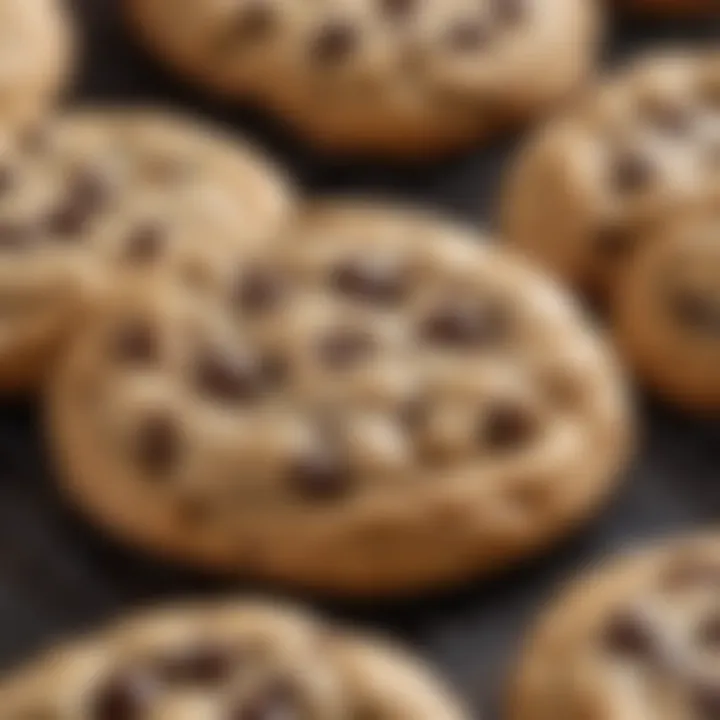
(352, 396)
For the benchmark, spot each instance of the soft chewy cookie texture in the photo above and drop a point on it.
(635, 151)
(666, 309)
(240, 661)
(378, 404)
(390, 77)
(36, 52)
(94, 195)
(637, 640)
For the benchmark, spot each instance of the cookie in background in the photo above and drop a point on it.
(408, 78)
(243, 659)
(636, 638)
(380, 404)
(37, 50)
(93, 195)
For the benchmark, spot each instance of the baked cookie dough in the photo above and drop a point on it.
(636, 640)
(241, 661)
(379, 404)
(643, 145)
(666, 309)
(36, 53)
(94, 195)
(388, 77)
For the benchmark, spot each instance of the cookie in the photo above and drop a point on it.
(640, 146)
(378, 404)
(94, 195)
(388, 77)
(36, 49)
(666, 309)
(243, 660)
(637, 639)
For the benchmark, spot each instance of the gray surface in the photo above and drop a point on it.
(58, 575)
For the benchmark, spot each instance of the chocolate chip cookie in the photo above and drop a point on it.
(644, 144)
(240, 661)
(378, 404)
(390, 77)
(666, 308)
(638, 639)
(94, 195)
(36, 50)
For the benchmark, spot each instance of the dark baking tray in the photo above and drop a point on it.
(58, 575)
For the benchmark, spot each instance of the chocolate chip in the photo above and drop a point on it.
(509, 12)
(345, 347)
(631, 172)
(690, 574)
(273, 702)
(468, 35)
(16, 235)
(613, 243)
(7, 179)
(397, 10)
(86, 195)
(466, 325)
(705, 700)
(696, 312)
(158, 444)
(124, 697)
(322, 474)
(708, 633)
(135, 342)
(670, 118)
(145, 243)
(506, 425)
(413, 413)
(258, 291)
(334, 43)
(200, 664)
(254, 22)
(228, 377)
(371, 281)
(629, 635)
(275, 370)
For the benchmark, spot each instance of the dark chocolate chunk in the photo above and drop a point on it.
(135, 342)
(466, 325)
(506, 425)
(322, 474)
(204, 664)
(631, 172)
(696, 312)
(630, 635)
(158, 444)
(343, 348)
(145, 243)
(334, 43)
(468, 35)
(229, 377)
(371, 281)
(258, 290)
(125, 696)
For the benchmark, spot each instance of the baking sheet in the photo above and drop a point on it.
(58, 575)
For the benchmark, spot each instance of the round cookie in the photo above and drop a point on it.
(94, 195)
(243, 660)
(644, 143)
(637, 639)
(378, 404)
(666, 309)
(389, 77)
(36, 51)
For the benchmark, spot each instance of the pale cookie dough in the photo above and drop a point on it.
(227, 661)
(94, 195)
(637, 640)
(390, 77)
(666, 309)
(380, 404)
(36, 53)
(644, 143)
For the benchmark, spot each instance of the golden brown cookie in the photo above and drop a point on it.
(96, 195)
(36, 53)
(642, 145)
(378, 404)
(636, 640)
(666, 309)
(389, 77)
(236, 661)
